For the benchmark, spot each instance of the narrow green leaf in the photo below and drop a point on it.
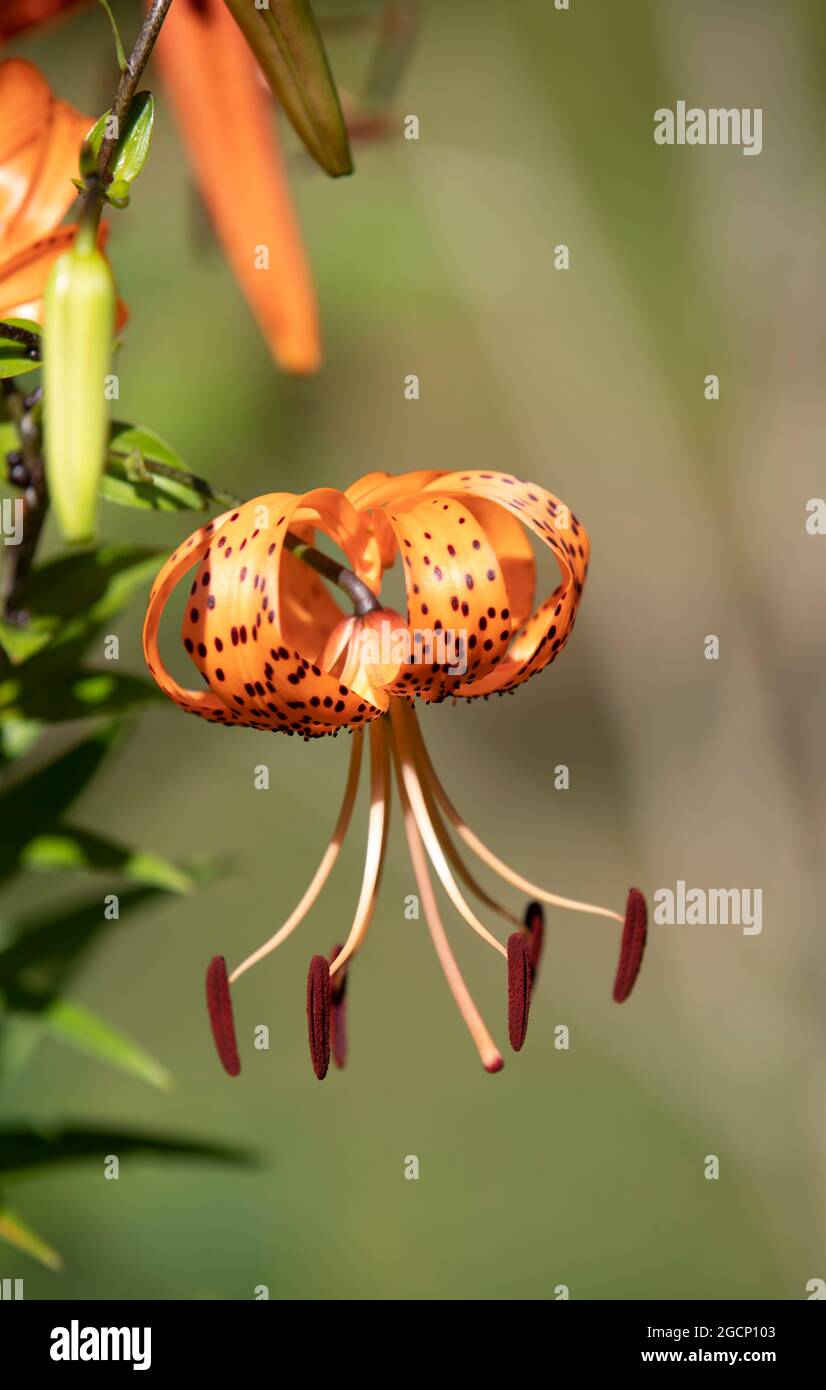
(290, 52)
(75, 1026)
(135, 138)
(15, 1231)
(129, 486)
(70, 598)
(68, 850)
(121, 56)
(41, 797)
(51, 943)
(15, 359)
(20, 643)
(17, 737)
(24, 1148)
(74, 695)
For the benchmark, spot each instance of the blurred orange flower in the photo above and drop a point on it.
(40, 139)
(224, 112)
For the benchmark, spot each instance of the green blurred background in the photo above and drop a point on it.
(585, 1167)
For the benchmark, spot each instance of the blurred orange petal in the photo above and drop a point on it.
(225, 118)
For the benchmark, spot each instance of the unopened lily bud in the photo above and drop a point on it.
(79, 314)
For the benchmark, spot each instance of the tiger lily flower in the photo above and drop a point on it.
(276, 652)
(40, 140)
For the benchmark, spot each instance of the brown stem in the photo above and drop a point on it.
(36, 497)
(35, 503)
(15, 334)
(130, 77)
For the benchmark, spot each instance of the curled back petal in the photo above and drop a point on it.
(457, 599)
(256, 626)
(201, 702)
(540, 639)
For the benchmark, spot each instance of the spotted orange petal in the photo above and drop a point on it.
(455, 587)
(256, 627)
(226, 122)
(540, 639)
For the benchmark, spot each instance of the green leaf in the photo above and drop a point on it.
(14, 357)
(77, 1027)
(288, 47)
(42, 797)
(49, 944)
(70, 851)
(20, 643)
(135, 137)
(115, 35)
(17, 737)
(23, 1147)
(132, 486)
(73, 695)
(69, 599)
(15, 1231)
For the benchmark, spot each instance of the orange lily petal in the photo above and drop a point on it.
(23, 278)
(454, 585)
(225, 118)
(255, 628)
(40, 139)
(546, 632)
(19, 15)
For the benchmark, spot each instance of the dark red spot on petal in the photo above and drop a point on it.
(519, 989)
(634, 935)
(318, 1014)
(219, 1005)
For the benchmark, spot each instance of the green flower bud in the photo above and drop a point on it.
(79, 314)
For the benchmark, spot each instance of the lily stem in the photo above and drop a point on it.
(15, 334)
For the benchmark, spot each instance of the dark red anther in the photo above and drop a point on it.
(219, 1004)
(318, 1014)
(519, 989)
(535, 924)
(338, 1003)
(634, 934)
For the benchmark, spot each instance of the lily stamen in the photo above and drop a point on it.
(324, 869)
(406, 766)
(488, 1051)
(487, 856)
(376, 843)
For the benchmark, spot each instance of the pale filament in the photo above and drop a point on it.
(486, 1047)
(324, 869)
(453, 854)
(376, 842)
(481, 850)
(408, 775)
